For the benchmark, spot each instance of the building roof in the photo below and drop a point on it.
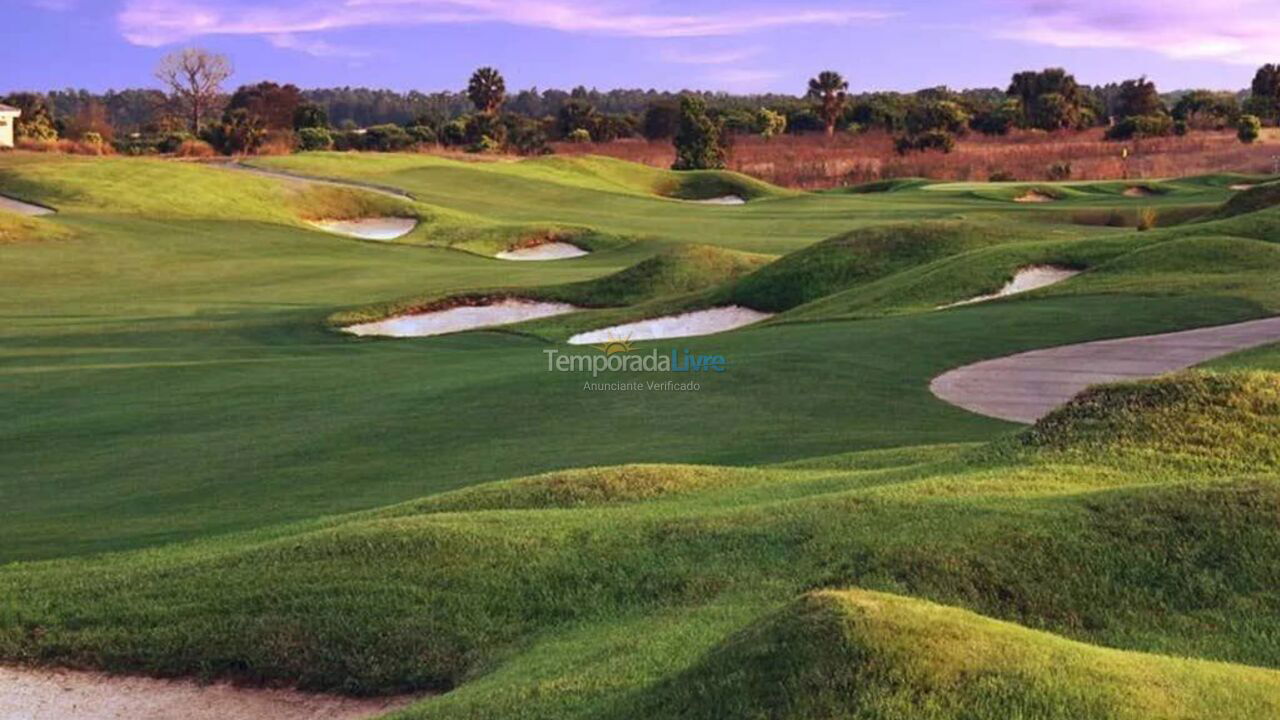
(7, 108)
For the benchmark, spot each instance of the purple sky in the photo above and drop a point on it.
(734, 45)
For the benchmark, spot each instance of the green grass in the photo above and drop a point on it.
(202, 478)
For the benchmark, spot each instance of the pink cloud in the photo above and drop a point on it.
(161, 22)
(1237, 31)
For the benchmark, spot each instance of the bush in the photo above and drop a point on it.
(421, 134)
(386, 138)
(194, 149)
(454, 133)
(939, 140)
(485, 144)
(1147, 219)
(1141, 126)
(137, 146)
(1059, 171)
(1180, 128)
(1248, 129)
(581, 135)
(170, 142)
(1000, 176)
(348, 140)
(315, 138)
(92, 138)
(697, 143)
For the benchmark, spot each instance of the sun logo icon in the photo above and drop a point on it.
(613, 346)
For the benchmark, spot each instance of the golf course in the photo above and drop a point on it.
(571, 437)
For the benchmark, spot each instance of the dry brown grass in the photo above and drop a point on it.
(815, 161)
(66, 147)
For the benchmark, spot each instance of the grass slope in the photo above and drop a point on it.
(873, 656)
(513, 594)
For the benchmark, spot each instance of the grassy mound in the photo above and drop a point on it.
(885, 186)
(710, 184)
(1225, 419)
(16, 229)
(676, 271)
(871, 656)
(580, 488)
(860, 256)
(1248, 201)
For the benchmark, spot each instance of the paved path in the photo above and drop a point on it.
(298, 177)
(23, 208)
(1027, 386)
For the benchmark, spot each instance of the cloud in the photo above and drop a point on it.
(161, 22)
(1236, 31)
(719, 57)
(315, 47)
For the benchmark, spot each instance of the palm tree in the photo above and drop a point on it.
(487, 90)
(830, 90)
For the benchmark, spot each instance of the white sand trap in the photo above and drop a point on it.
(701, 322)
(1139, 191)
(22, 208)
(463, 317)
(724, 200)
(382, 228)
(545, 251)
(1034, 196)
(1238, 188)
(1024, 280)
(72, 695)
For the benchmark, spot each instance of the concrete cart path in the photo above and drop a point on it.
(300, 178)
(23, 208)
(1027, 386)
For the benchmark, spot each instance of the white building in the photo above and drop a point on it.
(8, 116)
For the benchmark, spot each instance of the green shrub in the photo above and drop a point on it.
(940, 140)
(421, 134)
(172, 141)
(315, 138)
(581, 135)
(386, 138)
(92, 138)
(1248, 129)
(1059, 171)
(1141, 126)
(698, 145)
(485, 144)
(454, 133)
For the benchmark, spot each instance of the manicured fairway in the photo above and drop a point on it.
(210, 479)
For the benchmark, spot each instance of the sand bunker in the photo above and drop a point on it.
(724, 200)
(1024, 280)
(1245, 186)
(22, 208)
(1034, 196)
(701, 322)
(383, 228)
(545, 251)
(463, 317)
(1139, 191)
(67, 695)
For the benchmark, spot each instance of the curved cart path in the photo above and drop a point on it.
(23, 208)
(300, 178)
(1027, 386)
(29, 694)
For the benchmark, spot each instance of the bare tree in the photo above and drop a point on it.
(195, 78)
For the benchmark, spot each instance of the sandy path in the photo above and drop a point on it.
(1027, 386)
(23, 208)
(29, 694)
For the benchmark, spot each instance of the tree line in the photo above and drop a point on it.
(194, 106)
